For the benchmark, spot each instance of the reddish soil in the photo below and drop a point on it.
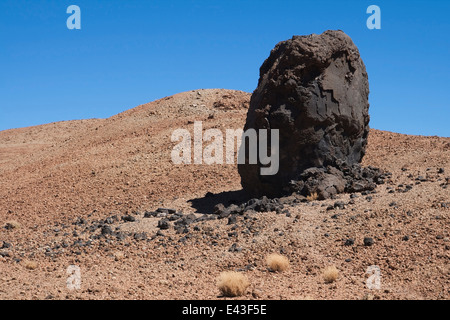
(52, 175)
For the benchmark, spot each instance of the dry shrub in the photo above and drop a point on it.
(30, 265)
(330, 274)
(312, 197)
(12, 224)
(277, 262)
(232, 284)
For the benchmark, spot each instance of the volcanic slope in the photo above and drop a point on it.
(77, 193)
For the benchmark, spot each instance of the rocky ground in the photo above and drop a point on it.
(103, 195)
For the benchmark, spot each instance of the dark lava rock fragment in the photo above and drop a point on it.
(106, 230)
(349, 242)
(314, 89)
(128, 218)
(163, 224)
(368, 241)
(140, 236)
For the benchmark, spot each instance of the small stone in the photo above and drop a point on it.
(368, 241)
(5, 245)
(128, 218)
(120, 235)
(234, 248)
(392, 204)
(160, 233)
(349, 242)
(150, 214)
(339, 204)
(219, 208)
(256, 293)
(109, 220)
(163, 224)
(140, 236)
(186, 220)
(106, 230)
(175, 216)
(232, 220)
(405, 238)
(80, 221)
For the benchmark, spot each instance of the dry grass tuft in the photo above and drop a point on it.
(312, 197)
(30, 265)
(12, 224)
(330, 274)
(232, 284)
(277, 262)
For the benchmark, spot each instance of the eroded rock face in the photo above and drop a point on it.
(315, 90)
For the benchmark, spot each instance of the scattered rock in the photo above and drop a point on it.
(106, 230)
(368, 241)
(128, 218)
(256, 293)
(393, 204)
(232, 220)
(186, 220)
(234, 248)
(349, 242)
(140, 236)
(339, 204)
(150, 214)
(163, 224)
(421, 179)
(5, 245)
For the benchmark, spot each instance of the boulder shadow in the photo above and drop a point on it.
(205, 205)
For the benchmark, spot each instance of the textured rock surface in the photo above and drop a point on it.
(315, 90)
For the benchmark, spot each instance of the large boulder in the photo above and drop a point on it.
(314, 89)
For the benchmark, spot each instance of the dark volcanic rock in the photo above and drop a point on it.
(106, 230)
(128, 218)
(349, 242)
(314, 89)
(368, 241)
(163, 224)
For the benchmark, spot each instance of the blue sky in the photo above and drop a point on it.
(132, 52)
